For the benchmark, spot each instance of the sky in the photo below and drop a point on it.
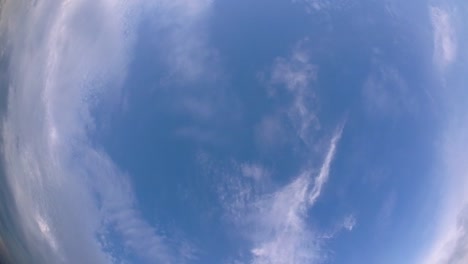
(233, 132)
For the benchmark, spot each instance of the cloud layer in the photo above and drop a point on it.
(281, 218)
(74, 203)
(450, 243)
(297, 75)
(445, 42)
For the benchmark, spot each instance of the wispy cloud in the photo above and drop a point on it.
(454, 248)
(180, 29)
(254, 171)
(386, 93)
(314, 5)
(285, 236)
(321, 5)
(449, 245)
(349, 222)
(297, 75)
(445, 38)
(68, 192)
(322, 178)
(276, 222)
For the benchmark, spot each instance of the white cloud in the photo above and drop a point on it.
(270, 133)
(285, 236)
(445, 38)
(65, 59)
(349, 222)
(386, 93)
(254, 171)
(449, 245)
(322, 178)
(387, 210)
(448, 242)
(322, 5)
(179, 32)
(297, 75)
(180, 28)
(275, 222)
(314, 5)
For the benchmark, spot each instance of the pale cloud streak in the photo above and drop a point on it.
(322, 177)
(445, 39)
(285, 236)
(349, 222)
(66, 58)
(449, 244)
(314, 5)
(322, 5)
(387, 94)
(297, 75)
(255, 171)
(276, 222)
(180, 29)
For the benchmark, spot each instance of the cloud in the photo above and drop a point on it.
(296, 74)
(254, 171)
(285, 236)
(190, 83)
(449, 242)
(180, 28)
(445, 38)
(452, 247)
(322, 5)
(275, 222)
(386, 93)
(270, 132)
(322, 178)
(66, 59)
(387, 210)
(349, 222)
(314, 5)
(458, 253)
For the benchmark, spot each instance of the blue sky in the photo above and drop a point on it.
(216, 131)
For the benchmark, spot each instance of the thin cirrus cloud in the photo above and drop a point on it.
(180, 29)
(293, 76)
(386, 93)
(283, 234)
(450, 242)
(275, 222)
(281, 218)
(297, 75)
(445, 42)
(254, 171)
(324, 172)
(69, 192)
(320, 5)
(314, 5)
